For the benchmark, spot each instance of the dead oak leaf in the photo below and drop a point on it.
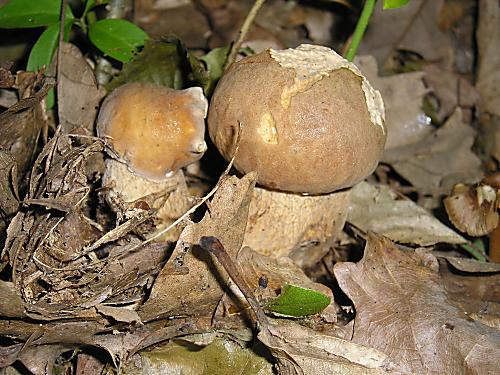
(191, 283)
(403, 310)
(440, 160)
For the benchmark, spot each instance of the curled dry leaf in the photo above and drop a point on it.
(77, 93)
(403, 310)
(473, 209)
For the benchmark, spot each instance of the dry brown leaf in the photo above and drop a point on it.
(192, 282)
(403, 310)
(312, 352)
(440, 160)
(120, 314)
(413, 27)
(378, 209)
(451, 89)
(21, 125)
(77, 92)
(9, 197)
(405, 120)
(488, 43)
(11, 303)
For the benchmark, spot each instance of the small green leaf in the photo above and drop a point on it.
(42, 52)
(296, 301)
(215, 60)
(117, 38)
(31, 13)
(391, 4)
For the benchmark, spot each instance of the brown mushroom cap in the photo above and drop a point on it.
(153, 129)
(310, 122)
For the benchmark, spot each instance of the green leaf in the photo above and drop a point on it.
(31, 13)
(391, 4)
(117, 38)
(42, 52)
(215, 60)
(296, 301)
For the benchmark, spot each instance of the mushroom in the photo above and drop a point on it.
(473, 209)
(311, 124)
(151, 132)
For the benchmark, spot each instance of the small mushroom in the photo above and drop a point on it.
(473, 209)
(310, 124)
(151, 132)
(153, 129)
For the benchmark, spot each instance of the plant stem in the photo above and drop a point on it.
(360, 29)
(243, 32)
(116, 9)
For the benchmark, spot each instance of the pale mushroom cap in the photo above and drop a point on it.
(153, 129)
(310, 122)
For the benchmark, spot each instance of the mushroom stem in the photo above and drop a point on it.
(299, 226)
(127, 194)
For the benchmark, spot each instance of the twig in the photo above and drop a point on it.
(214, 246)
(62, 18)
(243, 32)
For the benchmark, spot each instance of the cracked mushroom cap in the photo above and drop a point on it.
(310, 121)
(155, 130)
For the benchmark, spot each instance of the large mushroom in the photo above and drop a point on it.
(151, 132)
(311, 124)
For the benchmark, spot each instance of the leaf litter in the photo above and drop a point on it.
(75, 274)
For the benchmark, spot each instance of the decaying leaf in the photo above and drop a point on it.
(77, 92)
(403, 94)
(192, 283)
(440, 160)
(403, 310)
(378, 209)
(222, 356)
